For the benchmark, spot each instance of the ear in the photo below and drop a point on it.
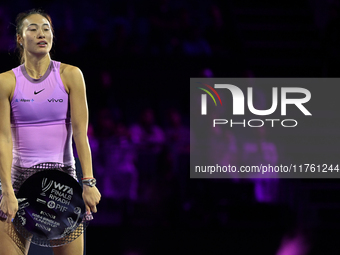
(19, 39)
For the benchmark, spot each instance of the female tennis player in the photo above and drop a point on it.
(42, 103)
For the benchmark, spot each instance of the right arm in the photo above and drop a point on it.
(9, 203)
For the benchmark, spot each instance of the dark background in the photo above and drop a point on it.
(138, 55)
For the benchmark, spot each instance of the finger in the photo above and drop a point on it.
(9, 218)
(94, 209)
(88, 209)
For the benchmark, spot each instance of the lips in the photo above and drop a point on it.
(42, 43)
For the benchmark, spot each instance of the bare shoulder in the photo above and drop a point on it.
(68, 71)
(7, 84)
(7, 77)
(71, 76)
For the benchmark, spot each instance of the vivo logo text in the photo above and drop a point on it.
(55, 100)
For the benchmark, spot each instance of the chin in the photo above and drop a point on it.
(43, 52)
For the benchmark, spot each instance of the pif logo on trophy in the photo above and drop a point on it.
(58, 192)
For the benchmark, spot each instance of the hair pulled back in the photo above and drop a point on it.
(19, 27)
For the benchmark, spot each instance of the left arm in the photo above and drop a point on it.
(74, 84)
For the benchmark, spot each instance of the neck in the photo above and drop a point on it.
(37, 66)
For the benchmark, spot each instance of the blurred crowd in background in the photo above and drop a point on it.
(132, 27)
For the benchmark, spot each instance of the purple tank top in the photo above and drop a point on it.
(40, 119)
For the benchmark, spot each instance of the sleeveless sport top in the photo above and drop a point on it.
(40, 119)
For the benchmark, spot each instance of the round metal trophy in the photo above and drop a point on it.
(51, 209)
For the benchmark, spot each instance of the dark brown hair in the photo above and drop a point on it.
(19, 22)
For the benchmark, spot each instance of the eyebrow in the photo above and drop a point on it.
(33, 24)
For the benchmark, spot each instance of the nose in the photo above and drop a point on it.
(41, 34)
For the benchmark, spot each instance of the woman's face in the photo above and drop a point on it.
(37, 36)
